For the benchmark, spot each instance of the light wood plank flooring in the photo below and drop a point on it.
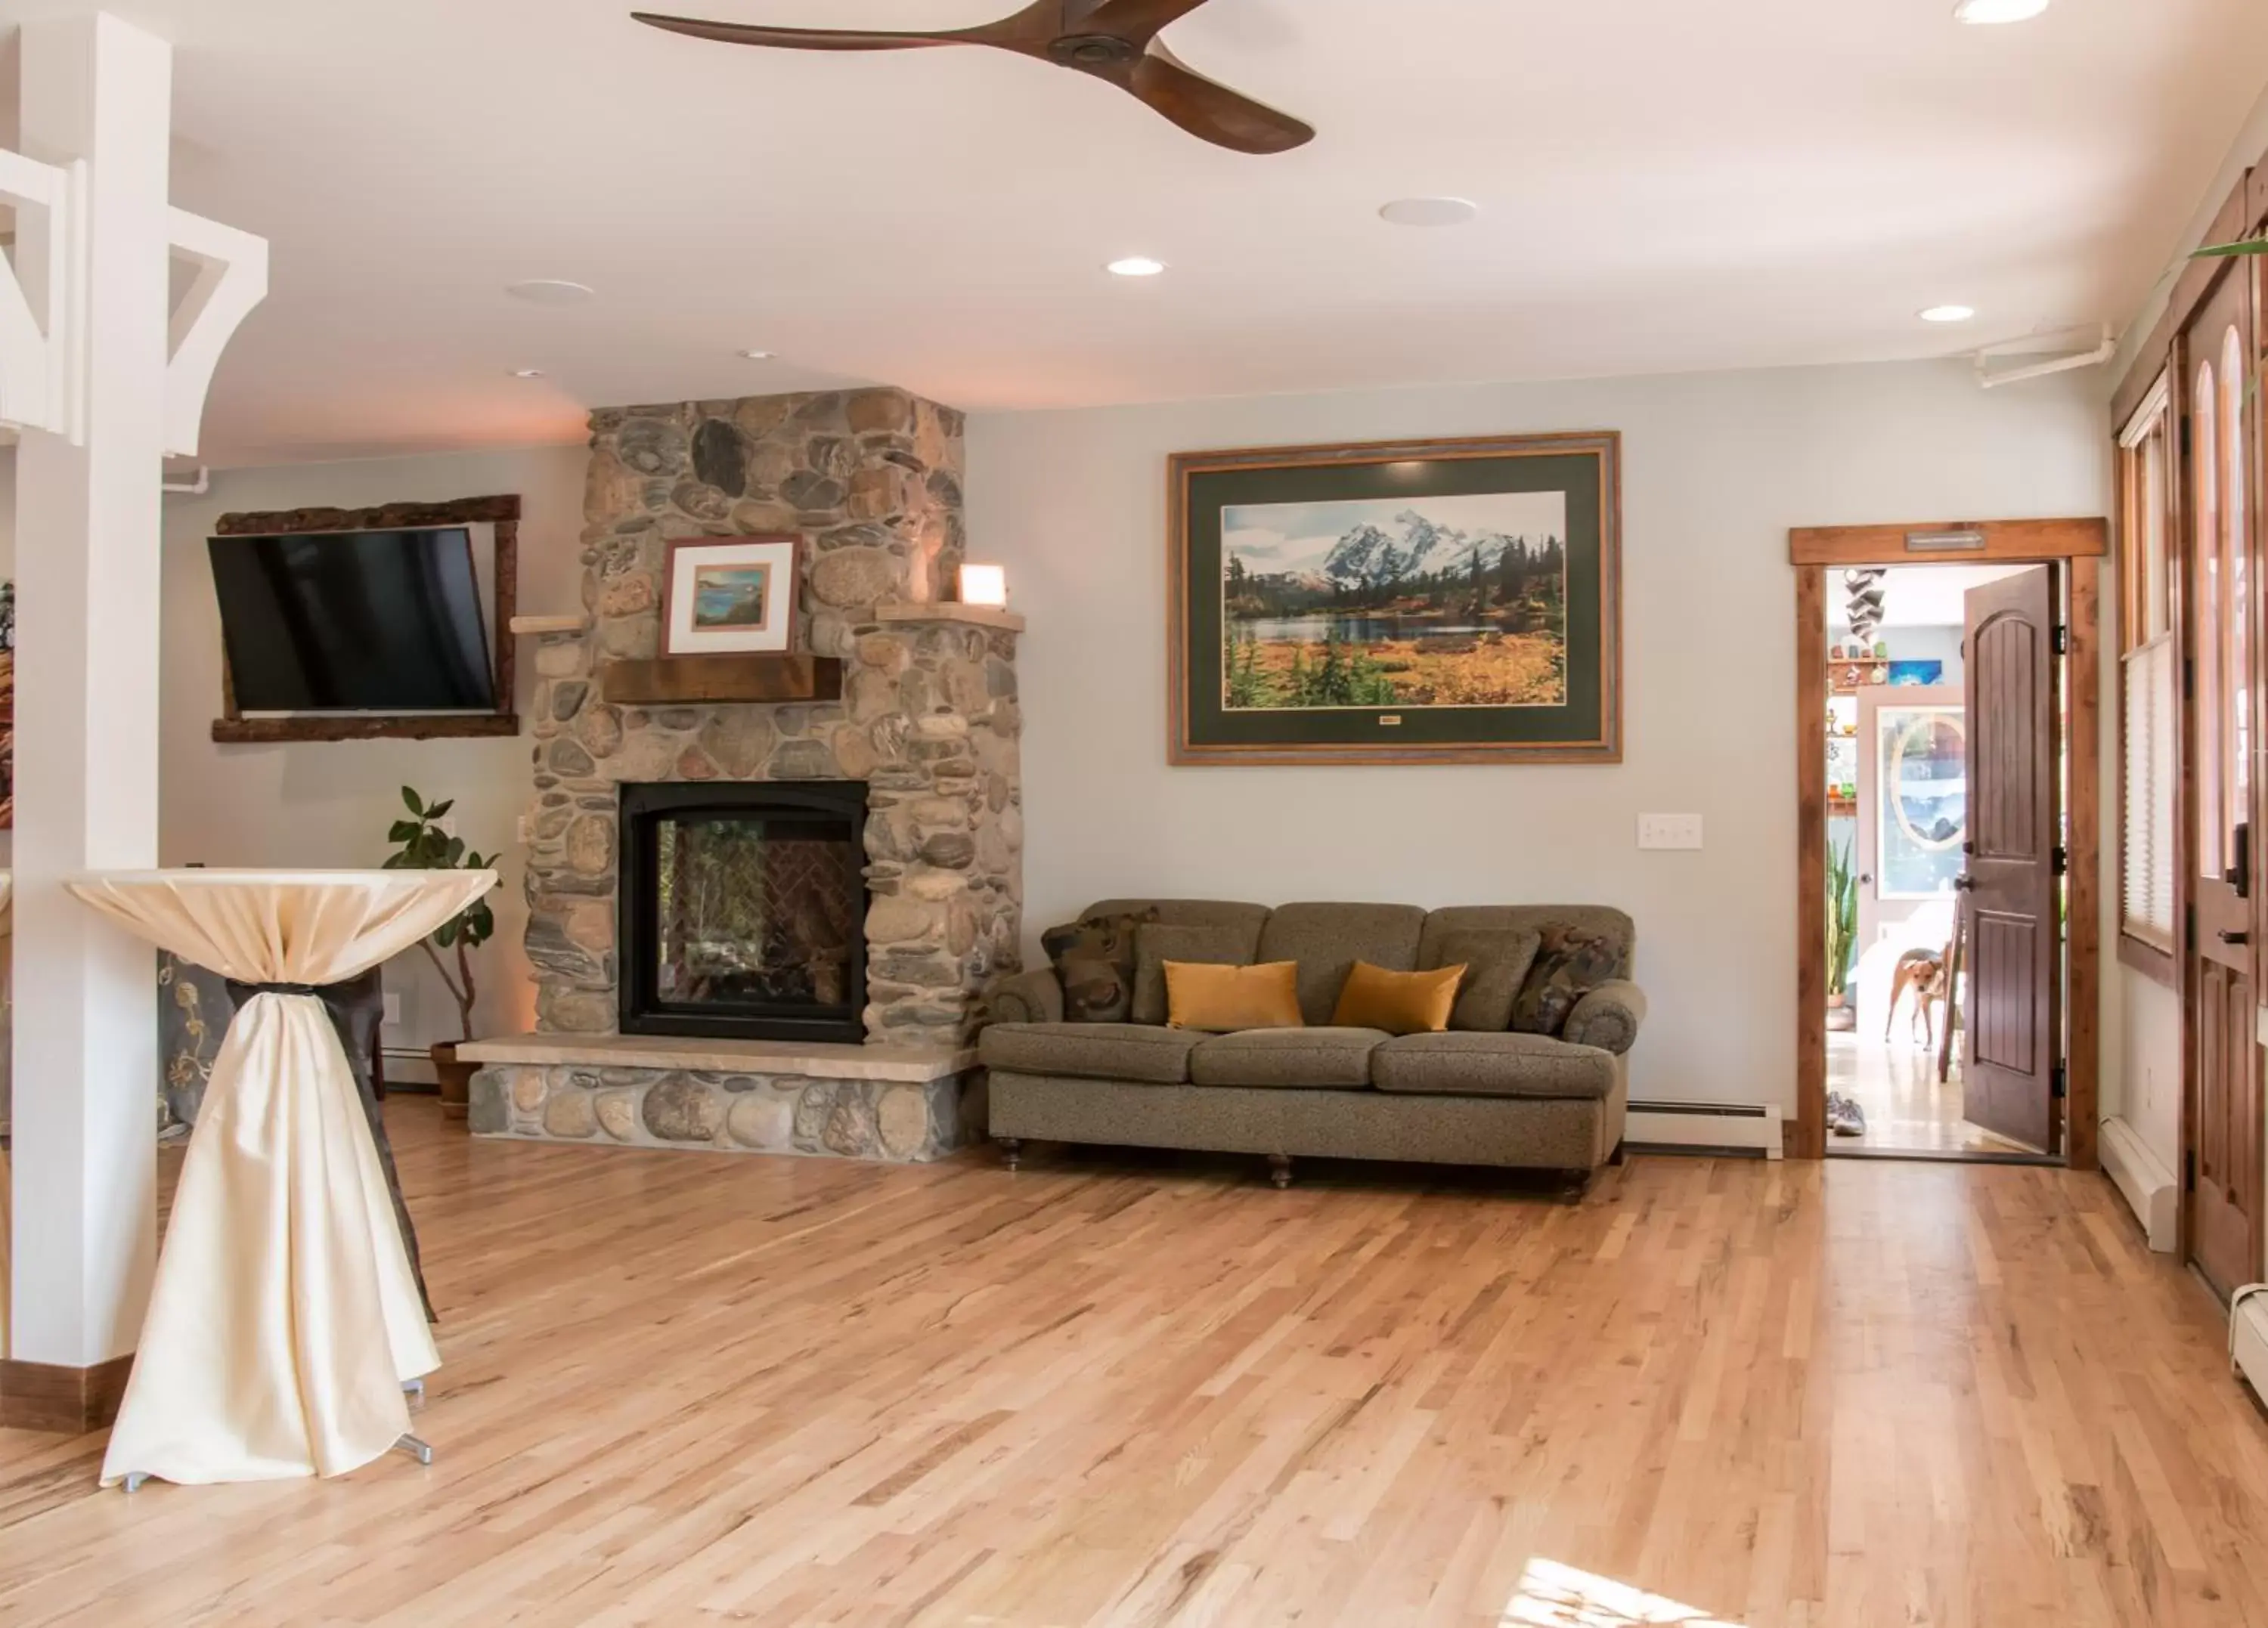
(689, 1389)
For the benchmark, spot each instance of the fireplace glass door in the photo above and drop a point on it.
(744, 911)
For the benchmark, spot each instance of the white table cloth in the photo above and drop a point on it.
(285, 1318)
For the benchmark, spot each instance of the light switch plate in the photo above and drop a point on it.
(1669, 831)
(393, 1008)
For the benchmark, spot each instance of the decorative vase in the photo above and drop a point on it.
(456, 1080)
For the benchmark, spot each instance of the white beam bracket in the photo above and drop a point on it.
(232, 278)
(42, 353)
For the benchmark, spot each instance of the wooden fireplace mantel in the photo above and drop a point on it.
(673, 680)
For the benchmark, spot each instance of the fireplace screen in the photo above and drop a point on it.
(745, 911)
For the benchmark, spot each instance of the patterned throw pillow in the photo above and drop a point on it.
(1095, 960)
(1569, 965)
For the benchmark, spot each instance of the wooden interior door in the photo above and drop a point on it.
(2015, 1035)
(2224, 1155)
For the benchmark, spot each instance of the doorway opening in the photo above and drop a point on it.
(1946, 970)
(1900, 976)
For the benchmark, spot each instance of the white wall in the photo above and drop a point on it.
(329, 804)
(1717, 468)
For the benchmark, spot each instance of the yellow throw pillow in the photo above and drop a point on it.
(1400, 1003)
(1220, 1000)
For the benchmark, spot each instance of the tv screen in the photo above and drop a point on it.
(354, 621)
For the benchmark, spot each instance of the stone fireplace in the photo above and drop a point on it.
(920, 753)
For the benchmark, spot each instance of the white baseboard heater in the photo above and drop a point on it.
(2248, 1335)
(1751, 1128)
(2142, 1178)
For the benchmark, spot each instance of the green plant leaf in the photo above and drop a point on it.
(446, 935)
(454, 852)
(410, 797)
(2224, 251)
(439, 808)
(404, 831)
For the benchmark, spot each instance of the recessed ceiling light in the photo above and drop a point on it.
(2000, 11)
(1949, 313)
(1135, 265)
(527, 372)
(1429, 212)
(756, 356)
(550, 291)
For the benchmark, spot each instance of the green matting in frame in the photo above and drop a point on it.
(1398, 602)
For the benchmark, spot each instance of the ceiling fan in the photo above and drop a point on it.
(1112, 40)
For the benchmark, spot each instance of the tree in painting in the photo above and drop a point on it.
(1425, 602)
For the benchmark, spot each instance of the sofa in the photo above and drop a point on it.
(1548, 1102)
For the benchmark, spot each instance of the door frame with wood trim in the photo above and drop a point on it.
(2078, 547)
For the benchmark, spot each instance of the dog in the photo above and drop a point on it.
(1922, 971)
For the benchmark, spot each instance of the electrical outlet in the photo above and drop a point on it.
(1669, 831)
(522, 831)
(392, 1018)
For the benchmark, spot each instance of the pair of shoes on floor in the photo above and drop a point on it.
(1844, 1116)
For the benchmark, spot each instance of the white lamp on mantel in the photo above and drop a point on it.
(984, 584)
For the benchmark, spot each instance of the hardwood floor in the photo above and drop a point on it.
(686, 1389)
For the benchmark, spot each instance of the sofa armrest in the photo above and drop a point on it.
(1033, 997)
(1608, 1017)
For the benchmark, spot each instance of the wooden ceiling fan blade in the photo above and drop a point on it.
(1211, 111)
(794, 39)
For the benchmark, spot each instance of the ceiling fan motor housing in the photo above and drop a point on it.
(1093, 51)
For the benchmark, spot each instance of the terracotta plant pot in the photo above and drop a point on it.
(456, 1080)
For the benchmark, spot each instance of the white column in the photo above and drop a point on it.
(87, 520)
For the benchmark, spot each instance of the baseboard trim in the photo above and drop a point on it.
(1712, 1128)
(2147, 1185)
(45, 1396)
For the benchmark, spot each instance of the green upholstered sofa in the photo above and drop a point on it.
(1458, 1097)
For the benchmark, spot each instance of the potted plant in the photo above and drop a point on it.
(1842, 921)
(426, 846)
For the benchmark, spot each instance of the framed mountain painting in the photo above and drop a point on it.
(1400, 602)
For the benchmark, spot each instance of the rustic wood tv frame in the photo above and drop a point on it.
(231, 727)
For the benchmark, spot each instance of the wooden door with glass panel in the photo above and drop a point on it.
(2225, 1126)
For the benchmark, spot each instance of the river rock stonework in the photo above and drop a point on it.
(886, 1121)
(929, 719)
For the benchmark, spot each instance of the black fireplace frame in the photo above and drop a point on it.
(642, 1010)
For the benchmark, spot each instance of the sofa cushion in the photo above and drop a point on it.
(1505, 1064)
(1157, 943)
(1090, 1051)
(1327, 940)
(1570, 964)
(1496, 963)
(1318, 1059)
(1602, 919)
(1245, 921)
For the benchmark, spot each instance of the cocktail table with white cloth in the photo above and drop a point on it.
(285, 1318)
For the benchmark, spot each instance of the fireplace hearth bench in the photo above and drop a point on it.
(1509, 1099)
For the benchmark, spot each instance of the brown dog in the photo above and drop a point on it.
(1923, 972)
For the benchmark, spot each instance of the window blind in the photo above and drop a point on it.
(2146, 818)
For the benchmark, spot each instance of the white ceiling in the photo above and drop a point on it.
(1666, 185)
(1919, 596)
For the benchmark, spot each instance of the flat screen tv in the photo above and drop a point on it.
(354, 621)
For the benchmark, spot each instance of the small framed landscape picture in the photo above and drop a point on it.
(730, 596)
(1410, 602)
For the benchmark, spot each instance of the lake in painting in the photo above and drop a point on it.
(1396, 602)
(730, 596)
